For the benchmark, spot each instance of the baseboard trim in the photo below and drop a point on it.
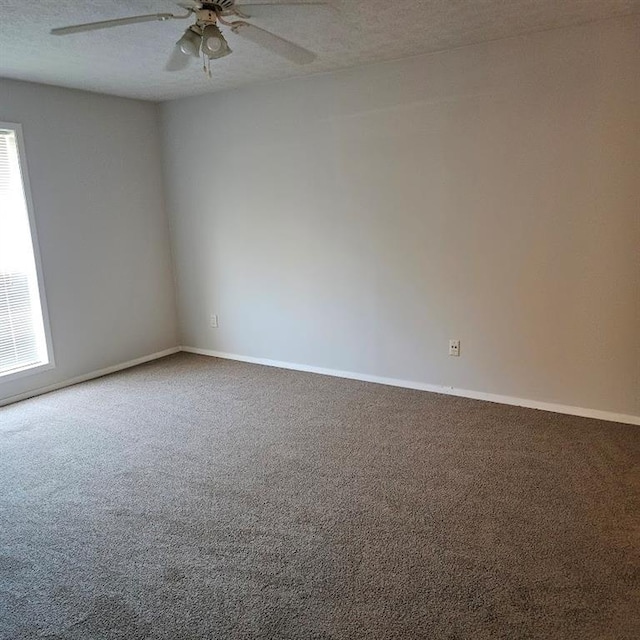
(337, 373)
(421, 386)
(89, 376)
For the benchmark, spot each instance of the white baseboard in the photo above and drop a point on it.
(394, 382)
(89, 376)
(421, 386)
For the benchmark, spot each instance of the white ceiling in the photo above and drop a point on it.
(129, 61)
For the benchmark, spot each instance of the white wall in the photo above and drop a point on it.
(96, 182)
(358, 220)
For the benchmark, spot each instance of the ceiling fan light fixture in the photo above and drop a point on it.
(214, 44)
(204, 37)
(189, 44)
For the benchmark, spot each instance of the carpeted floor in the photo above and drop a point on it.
(195, 498)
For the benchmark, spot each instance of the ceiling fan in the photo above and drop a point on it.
(204, 37)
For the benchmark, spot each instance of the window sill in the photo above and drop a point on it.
(26, 371)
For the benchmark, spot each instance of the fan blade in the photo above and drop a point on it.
(177, 60)
(274, 43)
(106, 24)
(272, 9)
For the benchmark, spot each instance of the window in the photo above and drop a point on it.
(24, 343)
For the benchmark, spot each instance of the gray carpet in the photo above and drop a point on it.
(195, 498)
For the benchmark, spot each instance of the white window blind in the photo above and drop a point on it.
(22, 336)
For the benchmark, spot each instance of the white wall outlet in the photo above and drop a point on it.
(213, 321)
(454, 347)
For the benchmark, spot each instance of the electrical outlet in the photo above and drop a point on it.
(454, 347)
(213, 321)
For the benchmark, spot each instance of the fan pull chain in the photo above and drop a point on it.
(206, 65)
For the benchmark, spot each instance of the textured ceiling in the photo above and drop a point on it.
(129, 61)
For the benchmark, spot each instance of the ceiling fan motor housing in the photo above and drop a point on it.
(219, 5)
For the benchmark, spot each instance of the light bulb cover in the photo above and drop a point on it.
(190, 43)
(214, 44)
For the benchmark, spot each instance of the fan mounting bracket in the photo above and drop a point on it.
(206, 16)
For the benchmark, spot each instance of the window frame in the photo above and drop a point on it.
(26, 187)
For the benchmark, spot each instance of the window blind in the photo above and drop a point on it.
(22, 338)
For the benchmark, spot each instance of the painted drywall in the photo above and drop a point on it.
(96, 182)
(359, 220)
